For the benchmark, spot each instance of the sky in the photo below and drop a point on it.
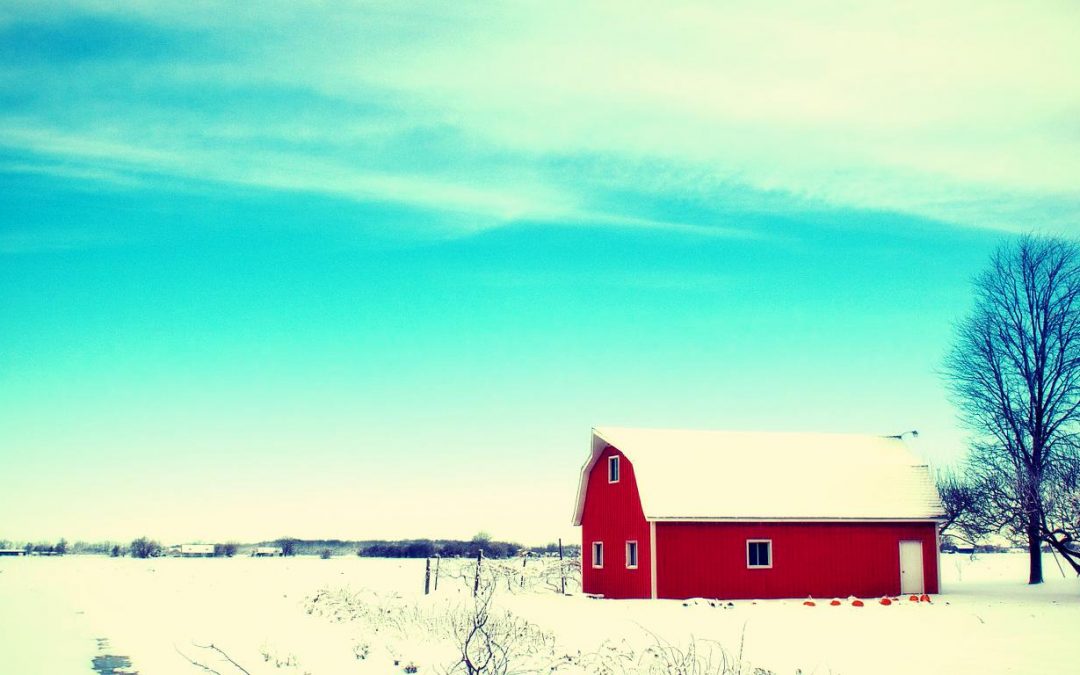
(374, 269)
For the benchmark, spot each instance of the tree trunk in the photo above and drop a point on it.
(1035, 574)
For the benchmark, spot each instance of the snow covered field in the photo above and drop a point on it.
(354, 615)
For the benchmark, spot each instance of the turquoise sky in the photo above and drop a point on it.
(375, 270)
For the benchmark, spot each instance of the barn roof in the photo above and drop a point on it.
(737, 475)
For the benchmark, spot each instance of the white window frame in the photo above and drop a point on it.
(637, 553)
(614, 463)
(759, 541)
(598, 546)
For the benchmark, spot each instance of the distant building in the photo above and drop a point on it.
(197, 550)
(12, 552)
(714, 514)
(267, 552)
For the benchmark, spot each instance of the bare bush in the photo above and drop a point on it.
(476, 637)
(145, 548)
(532, 574)
(213, 659)
(698, 657)
(498, 643)
(469, 637)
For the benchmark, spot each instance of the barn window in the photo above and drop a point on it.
(613, 469)
(598, 554)
(759, 553)
(631, 555)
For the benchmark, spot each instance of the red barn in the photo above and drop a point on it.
(717, 514)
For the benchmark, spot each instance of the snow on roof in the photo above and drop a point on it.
(738, 475)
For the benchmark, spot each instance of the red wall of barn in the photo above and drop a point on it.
(613, 515)
(824, 560)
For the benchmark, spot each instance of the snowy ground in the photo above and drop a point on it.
(264, 615)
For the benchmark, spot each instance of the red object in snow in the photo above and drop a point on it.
(835, 603)
(885, 601)
(914, 598)
(710, 557)
(856, 603)
(924, 598)
(810, 603)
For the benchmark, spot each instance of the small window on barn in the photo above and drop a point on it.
(758, 553)
(613, 469)
(598, 554)
(631, 555)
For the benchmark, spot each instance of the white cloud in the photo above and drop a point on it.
(113, 161)
(965, 112)
(923, 105)
(267, 169)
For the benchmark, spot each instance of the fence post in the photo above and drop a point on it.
(524, 559)
(438, 559)
(427, 576)
(562, 569)
(476, 581)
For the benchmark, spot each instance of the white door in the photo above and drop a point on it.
(911, 569)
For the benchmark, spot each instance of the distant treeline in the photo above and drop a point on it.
(447, 548)
(417, 548)
(59, 548)
(375, 548)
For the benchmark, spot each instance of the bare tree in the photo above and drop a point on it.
(1061, 512)
(966, 519)
(145, 548)
(1014, 372)
(288, 546)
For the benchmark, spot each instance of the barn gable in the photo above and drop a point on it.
(759, 476)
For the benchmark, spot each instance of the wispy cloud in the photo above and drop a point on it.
(879, 108)
(266, 169)
(102, 160)
(519, 112)
(77, 173)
